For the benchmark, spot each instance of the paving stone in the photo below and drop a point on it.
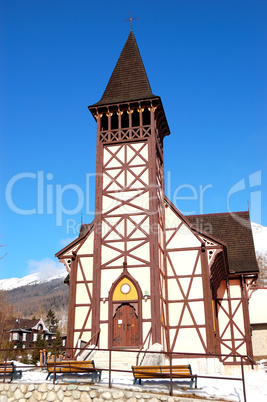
(42, 388)
(28, 395)
(76, 394)
(98, 400)
(18, 394)
(129, 395)
(3, 398)
(60, 395)
(44, 396)
(51, 396)
(67, 399)
(132, 399)
(31, 387)
(118, 394)
(23, 388)
(84, 388)
(31, 399)
(85, 397)
(93, 394)
(106, 395)
(37, 395)
(72, 387)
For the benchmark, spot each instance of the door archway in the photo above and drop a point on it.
(125, 314)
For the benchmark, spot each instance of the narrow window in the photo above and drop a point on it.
(135, 118)
(146, 117)
(124, 119)
(104, 122)
(114, 121)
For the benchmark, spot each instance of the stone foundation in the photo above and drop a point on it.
(72, 392)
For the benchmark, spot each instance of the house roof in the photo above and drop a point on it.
(23, 324)
(234, 229)
(128, 81)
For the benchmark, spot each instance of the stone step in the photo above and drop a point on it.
(119, 360)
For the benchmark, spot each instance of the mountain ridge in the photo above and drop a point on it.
(32, 279)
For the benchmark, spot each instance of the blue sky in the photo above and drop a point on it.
(207, 61)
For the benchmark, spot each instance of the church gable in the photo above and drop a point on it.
(188, 282)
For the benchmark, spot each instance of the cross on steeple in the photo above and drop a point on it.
(131, 20)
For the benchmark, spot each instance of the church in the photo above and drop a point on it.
(142, 273)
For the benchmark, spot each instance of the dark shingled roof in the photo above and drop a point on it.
(84, 227)
(23, 323)
(234, 229)
(128, 81)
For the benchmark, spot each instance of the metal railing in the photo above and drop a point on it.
(244, 359)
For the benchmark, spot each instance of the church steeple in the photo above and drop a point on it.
(129, 80)
(129, 88)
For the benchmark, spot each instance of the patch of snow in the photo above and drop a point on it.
(260, 237)
(209, 389)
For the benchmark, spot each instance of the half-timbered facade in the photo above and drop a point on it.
(143, 273)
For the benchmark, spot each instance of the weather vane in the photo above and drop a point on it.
(131, 20)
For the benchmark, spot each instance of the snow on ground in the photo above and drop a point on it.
(210, 389)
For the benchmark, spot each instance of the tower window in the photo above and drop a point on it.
(146, 117)
(104, 122)
(124, 119)
(135, 118)
(114, 121)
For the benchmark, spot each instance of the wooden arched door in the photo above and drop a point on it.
(125, 314)
(125, 326)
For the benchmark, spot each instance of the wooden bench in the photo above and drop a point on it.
(74, 366)
(181, 371)
(7, 368)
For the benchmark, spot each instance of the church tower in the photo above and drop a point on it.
(128, 267)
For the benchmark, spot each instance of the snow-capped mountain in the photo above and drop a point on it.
(33, 279)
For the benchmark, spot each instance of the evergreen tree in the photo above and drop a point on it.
(40, 344)
(57, 343)
(51, 321)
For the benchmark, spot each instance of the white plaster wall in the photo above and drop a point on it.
(142, 276)
(80, 315)
(88, 245)
(109, 276)
(104, 336)
(259, 340)
(146, 309)
(82, 296)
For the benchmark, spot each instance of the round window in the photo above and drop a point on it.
(125, 288)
